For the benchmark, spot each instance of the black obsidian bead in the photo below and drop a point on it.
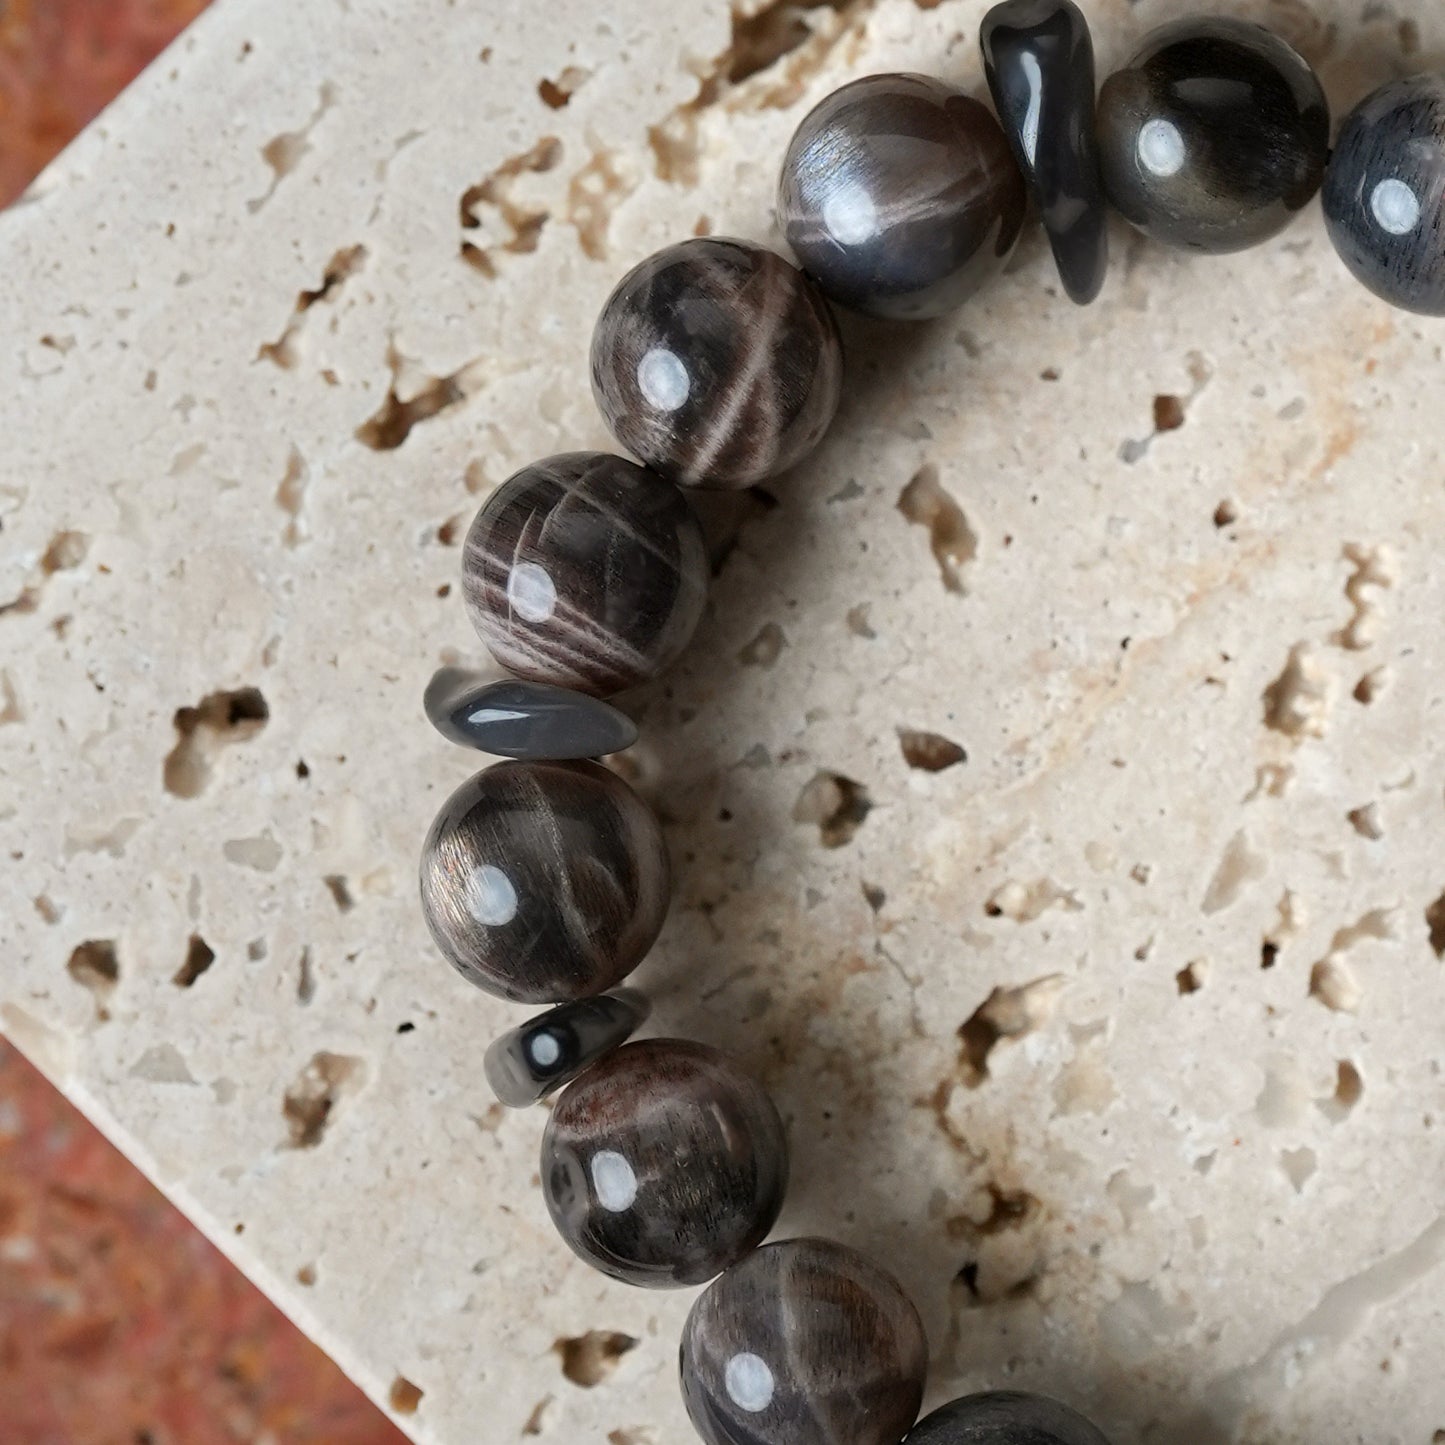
(1384, 195)
(586, 571)
(716, 363)
(531, 1061)
(664, 1163)
(516, 719)
(1213, 136)
(544, 881)
(1038, 56)
(805, 1342)
(899, 196)
(1004, 1417)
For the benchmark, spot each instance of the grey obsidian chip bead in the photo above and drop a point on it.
(586, 571)
(664, 1163)
(544, 881)
(528, 1062)
(1384, 195)
(1038, 56)
(523, 719)
(1213, 136)
(716, 363)
(899, 196)
(805, 1342)
(1004, 1417)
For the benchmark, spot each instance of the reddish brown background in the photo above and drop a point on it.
(119, 1324)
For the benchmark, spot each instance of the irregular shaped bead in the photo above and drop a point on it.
(1384, 195)
(1038, 56)
(716, 363)
(544, 881)
(527, 1063)
(805, 1342)
(1213, 135)
(586, 571)
(523, 719)
(664, 1163)
(899, 196)
(1004, 1417)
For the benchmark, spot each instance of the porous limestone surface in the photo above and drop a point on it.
(1056, 784)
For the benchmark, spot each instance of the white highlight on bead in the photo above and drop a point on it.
(1161, 147)
(849, 215)
(545, 1050)
(1035, 77)
(749, 1383)
(663, 379)
(491, 899)
(531, 592)
(614, 1181)
(1396, 207)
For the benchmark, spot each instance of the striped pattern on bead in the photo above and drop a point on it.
(899, 196)
(1384, 193)
(804, 1342)
(717, 363)
(665, 1163)
(544, 881)
(586, 571)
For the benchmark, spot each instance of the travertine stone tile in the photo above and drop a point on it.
(1056, 784)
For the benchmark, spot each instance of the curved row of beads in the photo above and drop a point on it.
(716, 363)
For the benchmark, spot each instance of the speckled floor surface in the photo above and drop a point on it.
(119, 1323)
(61, 61)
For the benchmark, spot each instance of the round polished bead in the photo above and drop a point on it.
(533, 1060)
(805, 1342)
(1213, 136)
(544, 881)
(516, 719)
(1384, 195)
(716, 363)
(586, 571)
(900, 197)
(1004, 1417)
(1038, 56)
(664, 1163)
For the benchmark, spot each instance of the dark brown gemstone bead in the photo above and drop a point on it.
(1384, 194)
(586, 571)
(544, 881)
(1004, 1417)
(806, 1342)
(664, 1163)
(717, 363)
(1214, 135)
(900, 197)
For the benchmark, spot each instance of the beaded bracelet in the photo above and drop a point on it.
(718, 364)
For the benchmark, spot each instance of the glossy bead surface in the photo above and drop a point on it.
(523, 719)
(664, 1163)
(899, 196)
(1004, 1417)
(806, 1342)
(716, 363)
(1384, 195)
(529, 1062)
(1038, 56)
(1213, 136)
(586, 571)
(544, 881)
